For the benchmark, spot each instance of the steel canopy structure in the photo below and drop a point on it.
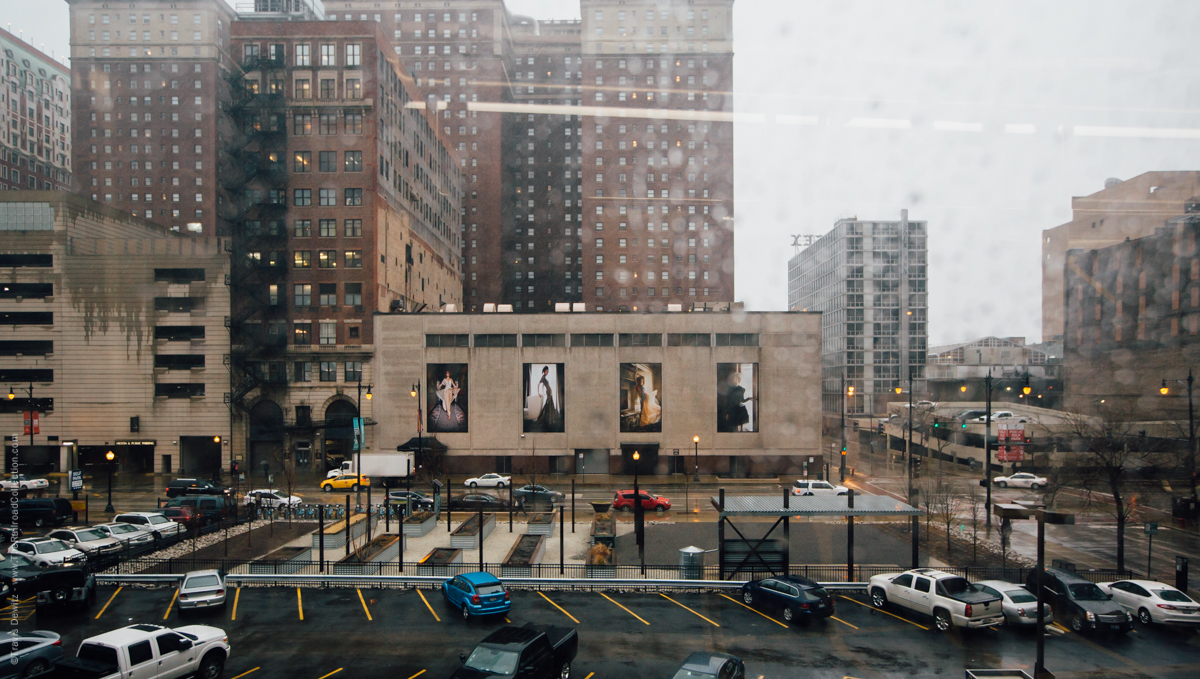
(766, 555)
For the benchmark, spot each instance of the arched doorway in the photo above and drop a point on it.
(265, 437)
(339, 431)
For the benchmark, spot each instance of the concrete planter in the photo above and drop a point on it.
(441, 562)
(605, 532)
(466, 536)
(526, 552)
(369, 559)
(421, 526)
(542, 524)
(335, 535)
(283, 561)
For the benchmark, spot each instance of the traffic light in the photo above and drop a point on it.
(235, 467)
(936, 423)
(843, 451)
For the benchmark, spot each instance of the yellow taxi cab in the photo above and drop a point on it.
(344, 482)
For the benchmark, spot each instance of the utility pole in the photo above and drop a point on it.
(842, 401)
(987, 448)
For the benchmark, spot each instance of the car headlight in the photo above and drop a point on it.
(1091, 616)
(1128, 617)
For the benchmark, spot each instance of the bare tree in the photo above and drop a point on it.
(943, 502)
(287, 466)
(1108, 451)
(973, 504)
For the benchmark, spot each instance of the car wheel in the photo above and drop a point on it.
(59, 595)
(1077, 623)
(788, 614)
(1002, 484)
(660, 509)
(565, 672)
(748, 597)
(878, 598)
(37, 666)
(627, 508)
(212, 666)
(474, 485)
(327, 488)
(354, 487)
(1034, 486)
(500, 485)
(39, 522)
(941, 619)
(466, 612)
(1144, 617)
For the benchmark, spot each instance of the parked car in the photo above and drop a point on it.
(40, 512)
(22, 482)
(131, 536)
(817, 488)
(153, 522)
(48, 552)
(489, 481)
(1019, 605)
(705, 665)
(149, 651)
(194, 487)
(345, 482)
(58, 585)
(418, 499)
(30, 653)
(951, 600)
(202, 589)
(476, 594)
(1079, 603)
(623, 500)
(209, 509)
(1153, 602)
(539, 495)
(270, 498)
(187, 517)
(970, 415)
(90, 541)
(795, 597)
(531, 651)
(488, 503)
(1001, 415)
(1021, 480)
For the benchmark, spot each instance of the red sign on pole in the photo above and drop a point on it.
(32, 422)
(36, 424)
(28, 422)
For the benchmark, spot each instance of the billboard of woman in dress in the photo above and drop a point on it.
(447, 397)
(543, 397)
(737, 397)
(641, 393)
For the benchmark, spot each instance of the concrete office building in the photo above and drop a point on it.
(118, 325)
(578, 393)
(1133, 208)
(868, 278)
(35, 118)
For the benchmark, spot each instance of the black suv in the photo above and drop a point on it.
(1080, 603)
(42, 511)
(194, 487)
(208, 508)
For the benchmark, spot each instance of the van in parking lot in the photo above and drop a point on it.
(47, 511)
(208, 508)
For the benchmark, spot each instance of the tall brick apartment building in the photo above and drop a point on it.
(35, 118)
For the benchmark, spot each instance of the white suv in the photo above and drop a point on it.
(47, 552)
(817, 488)
(152, 522)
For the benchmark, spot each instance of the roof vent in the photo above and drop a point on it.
(674, 307)
(562, 307)
(1111, 182)
(578, 307)
(504, 308)
(489, 308)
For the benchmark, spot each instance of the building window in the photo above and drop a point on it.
(354, 294)
(303, 55)
(328, 331)
(353, 371)
(354, 55)
(327, 259)
(354, 197)
(354, 259)
(543, 340)
(302, 371)
(326, 197)
(327, 125)
(447, 340)
(689, 339)
(328, 88)
(353, 88)
(303, 89)
(302, 162)
(303, 259)
(640, 339)
(327, 228)
(328, 294)
(329, 371)
(303, 294)
(302, 124)
(353, 228)
(591, 339)
(303, 228)
(328, 55)
(302, 334)
(354, 124)
(326, 160)
(302, 197)
(353, 161)
(495, 340)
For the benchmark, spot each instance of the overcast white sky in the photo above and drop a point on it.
(956, 73)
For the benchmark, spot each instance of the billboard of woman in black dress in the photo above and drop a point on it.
(543, 397)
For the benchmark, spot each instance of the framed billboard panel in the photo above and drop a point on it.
(641, 397)
(446, 400)
(737, 397)
(542, 397)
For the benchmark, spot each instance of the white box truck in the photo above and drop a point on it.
(389, 468)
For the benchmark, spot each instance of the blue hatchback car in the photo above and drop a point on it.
(476, 594)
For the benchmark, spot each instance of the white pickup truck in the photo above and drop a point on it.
(148, 651)
(949, 599)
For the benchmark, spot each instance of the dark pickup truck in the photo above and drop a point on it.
(53, 586)
(531, 651)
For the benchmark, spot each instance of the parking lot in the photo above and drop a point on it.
(406, 633)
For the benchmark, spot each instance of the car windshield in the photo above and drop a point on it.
(89, 534)
(202, 581)
(158, 519)
(1020, 596)
(492, 660)
(955, 586)
(50, 547)
(1173, 595)
(494, 588)
(1087, 591)
(123, 529)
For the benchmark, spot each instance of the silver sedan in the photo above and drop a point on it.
(1020, 607)
(30, 653)
(202, 589)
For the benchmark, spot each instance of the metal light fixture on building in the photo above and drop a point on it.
(898, 390)
(963, 388)
(1162, 390)
(368, 394)
(216, 439)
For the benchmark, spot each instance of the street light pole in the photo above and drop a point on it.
(842, 403)
(360, 439)
(987, 448)
(696, 443)
(110, 456)
(1191, 426)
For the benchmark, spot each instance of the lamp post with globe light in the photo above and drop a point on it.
(110, 456)
(1164, 390)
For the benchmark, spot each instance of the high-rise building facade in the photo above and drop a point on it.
(35, 118)
(1133, 208)
(149, 93)
(868, 278)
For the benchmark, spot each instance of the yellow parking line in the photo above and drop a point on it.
(431, 611)
(172, 604)
(843, 622)
(1060, 627)
(884, 612)
(110, 600)
(688, 609)
(331, 673)
(751, 609)
(417, 674)
(507, 620)
(237, 595)
(590, 675)
(247, 672)
(364, 603)
(623, 608)
(300, 607)
(564, 611)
